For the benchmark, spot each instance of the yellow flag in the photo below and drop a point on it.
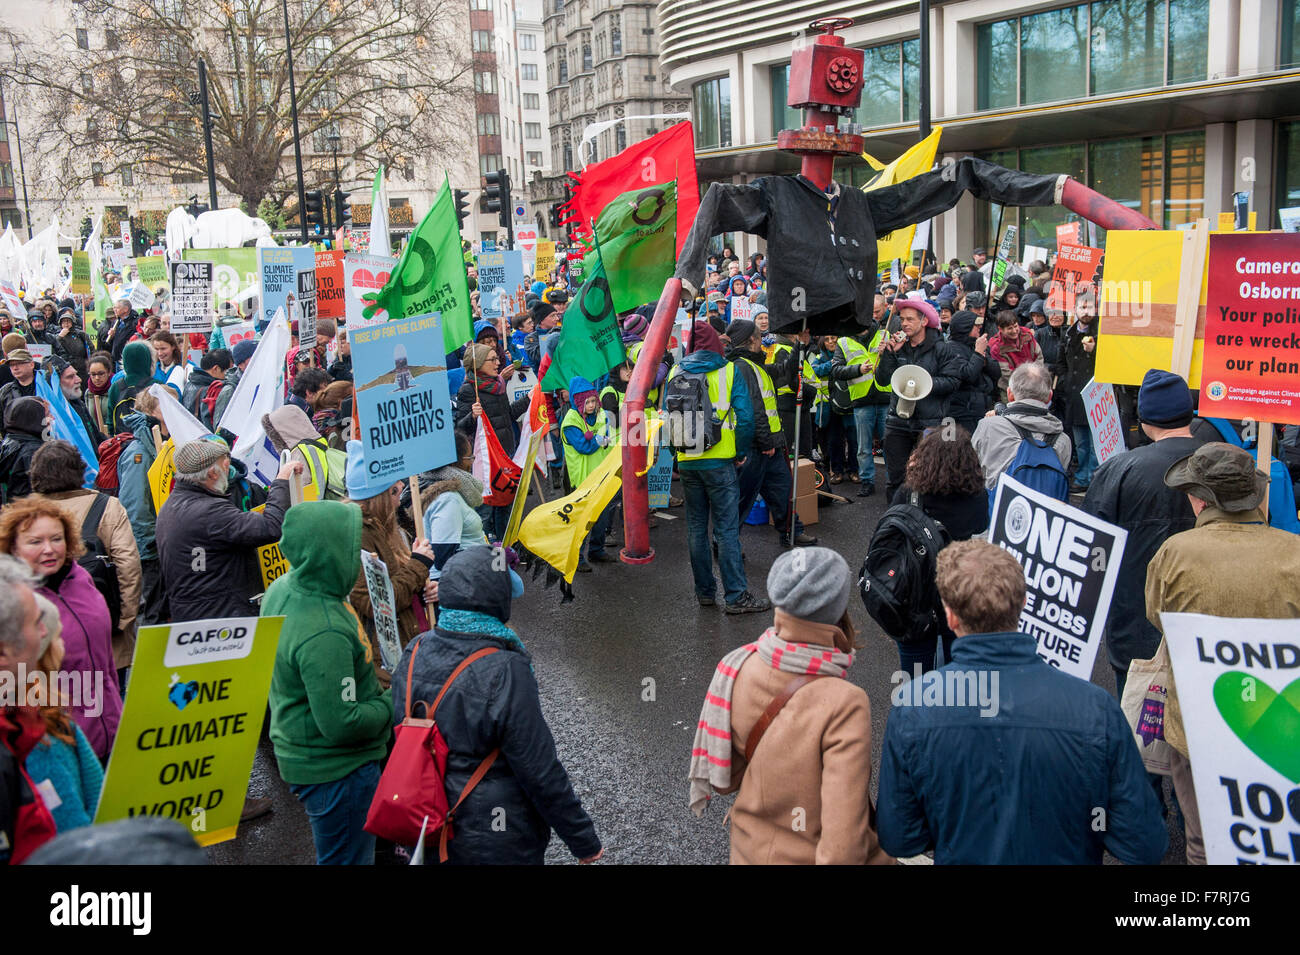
(161, 474)
(555, 531)
(918, 159)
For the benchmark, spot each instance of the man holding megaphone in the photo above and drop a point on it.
(923, 370)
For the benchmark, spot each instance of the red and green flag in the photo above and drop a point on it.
(590, 342)
(636, 235)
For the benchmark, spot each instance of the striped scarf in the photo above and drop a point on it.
(711, 755)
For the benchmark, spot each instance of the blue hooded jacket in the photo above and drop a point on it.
(578, 440)
(704, 360)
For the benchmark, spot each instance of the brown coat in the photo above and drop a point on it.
(116, 536)
(407, 572)
(806, 797)
(1228, 565)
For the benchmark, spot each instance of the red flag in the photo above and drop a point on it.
(492, 466)
(661, 158)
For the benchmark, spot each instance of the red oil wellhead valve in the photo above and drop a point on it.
(825, 74)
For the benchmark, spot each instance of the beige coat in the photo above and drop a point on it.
(806, 797)
(115, 534)
(1228, 565)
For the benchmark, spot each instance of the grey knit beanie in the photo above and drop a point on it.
(811, 583)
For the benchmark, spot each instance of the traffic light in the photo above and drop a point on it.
(342, 209)
(462, 207)
(315, 211)
(498, 195)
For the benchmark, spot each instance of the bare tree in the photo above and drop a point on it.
(390, 78)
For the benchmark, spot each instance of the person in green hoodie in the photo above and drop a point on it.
(139, 364)
(330, 719)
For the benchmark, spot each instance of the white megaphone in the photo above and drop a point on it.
(910, 383)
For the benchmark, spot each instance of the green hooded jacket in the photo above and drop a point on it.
(329, 715)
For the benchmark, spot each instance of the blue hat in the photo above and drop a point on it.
(358, 489)
(1165, 400)
(243, 351)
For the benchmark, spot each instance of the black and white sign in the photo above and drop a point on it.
(1071, 560)
(191, 296)
(307, 307)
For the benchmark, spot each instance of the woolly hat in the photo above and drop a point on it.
(1165, 400)
(474, 579)
(326, 326)
(811, 583)
(541, 310)
(194, 458)
(476, 355)
(243, 351)
(358, 489)
(740, 331)
(27, 415)
(636, 324)
(704, 338)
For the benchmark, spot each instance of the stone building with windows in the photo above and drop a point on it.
(1168, 106)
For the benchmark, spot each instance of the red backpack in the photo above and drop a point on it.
(109, 451)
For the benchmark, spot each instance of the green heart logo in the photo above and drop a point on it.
(1268, 722)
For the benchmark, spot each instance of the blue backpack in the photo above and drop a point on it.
(1036, 466)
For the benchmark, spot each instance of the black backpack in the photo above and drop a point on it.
(96, 561)
(690, 422)
(897, 580)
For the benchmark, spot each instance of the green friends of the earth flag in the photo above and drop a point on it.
(430, 276)
(590, 343)
(637, 233)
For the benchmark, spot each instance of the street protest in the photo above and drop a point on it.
(441, 501)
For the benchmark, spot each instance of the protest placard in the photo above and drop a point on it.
(500, 282)
(405, 409)
(1250, 367)
(741, 307)
(80, 273)
(242, 331)
(10, 298)
(191, 723)
(40, 350)
(234, 275)
(151, 270)
(659, 479)
(280, 269)
(141, 297)
(1103, 419)
(307, 306)
(1071, 560)
(1006, 251)
(1032, 254)
(545, 259)
(520, 383)
(1069, 233)
(383, 609)
(1239, 695)
(331, 300)
(362, 274)
(191, 285)
(1077, 271)
(118, 258)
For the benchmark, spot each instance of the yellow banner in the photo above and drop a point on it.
(555, 531)
(918, 159)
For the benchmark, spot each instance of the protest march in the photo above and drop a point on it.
(401, 547)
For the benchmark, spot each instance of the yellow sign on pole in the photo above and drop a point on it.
(162, 474)
(545, 259)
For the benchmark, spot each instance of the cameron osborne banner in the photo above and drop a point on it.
(1071, 560)
(1238, 685)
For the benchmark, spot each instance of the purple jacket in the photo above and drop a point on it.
(88, 642)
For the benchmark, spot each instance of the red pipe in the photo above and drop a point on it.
(636, 493)
(1095, 207)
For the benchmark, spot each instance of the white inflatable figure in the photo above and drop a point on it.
(215, 229)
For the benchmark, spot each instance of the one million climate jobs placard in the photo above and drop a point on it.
(1251, 367)
(189, 729)
(400, 371)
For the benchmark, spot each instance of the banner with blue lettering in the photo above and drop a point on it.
(501, 283)
(400, 371)
(1071, 560)
(287, 284)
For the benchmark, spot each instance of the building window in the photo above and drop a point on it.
(485, 82)
(528, 71)
(481, 5)
(891, 76)
(1163, 177)
(128, 177)
(532, 130)
(92, 130)
(712, 110)
(489, 124)
(481, 41)
(408, 171)
(534, 159)
(783, 117)
(532, 101)
(568, 156)
(1288, 165)
(83, 39)
(620, 138)
(564, 69)
(1289, 55)
(7, 174)
(110, 40)
(559, 6)
(586, 57)
(1091, 49)
(87, 84)
(615, 37)
(528, 41)
(97, 173)
(489, 163)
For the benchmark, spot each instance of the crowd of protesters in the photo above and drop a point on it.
(90, 562)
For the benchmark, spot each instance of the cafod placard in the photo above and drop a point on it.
(1238, 686)
(1070, 560)
(402, 399)
(190, 724)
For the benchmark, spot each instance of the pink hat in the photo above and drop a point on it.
(922, 307)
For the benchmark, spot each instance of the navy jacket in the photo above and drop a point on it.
(1053, 778)
(494, 703)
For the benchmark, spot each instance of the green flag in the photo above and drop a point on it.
(637, 235)
(430, 276)
(590, 343)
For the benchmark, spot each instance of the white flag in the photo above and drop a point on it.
(260, 391)
(379, 241)
(181, 425)
(482, 459)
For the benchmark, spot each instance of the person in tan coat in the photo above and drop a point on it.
(801, 768)
(408, 565)
(1231, 564)
(58, 473)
